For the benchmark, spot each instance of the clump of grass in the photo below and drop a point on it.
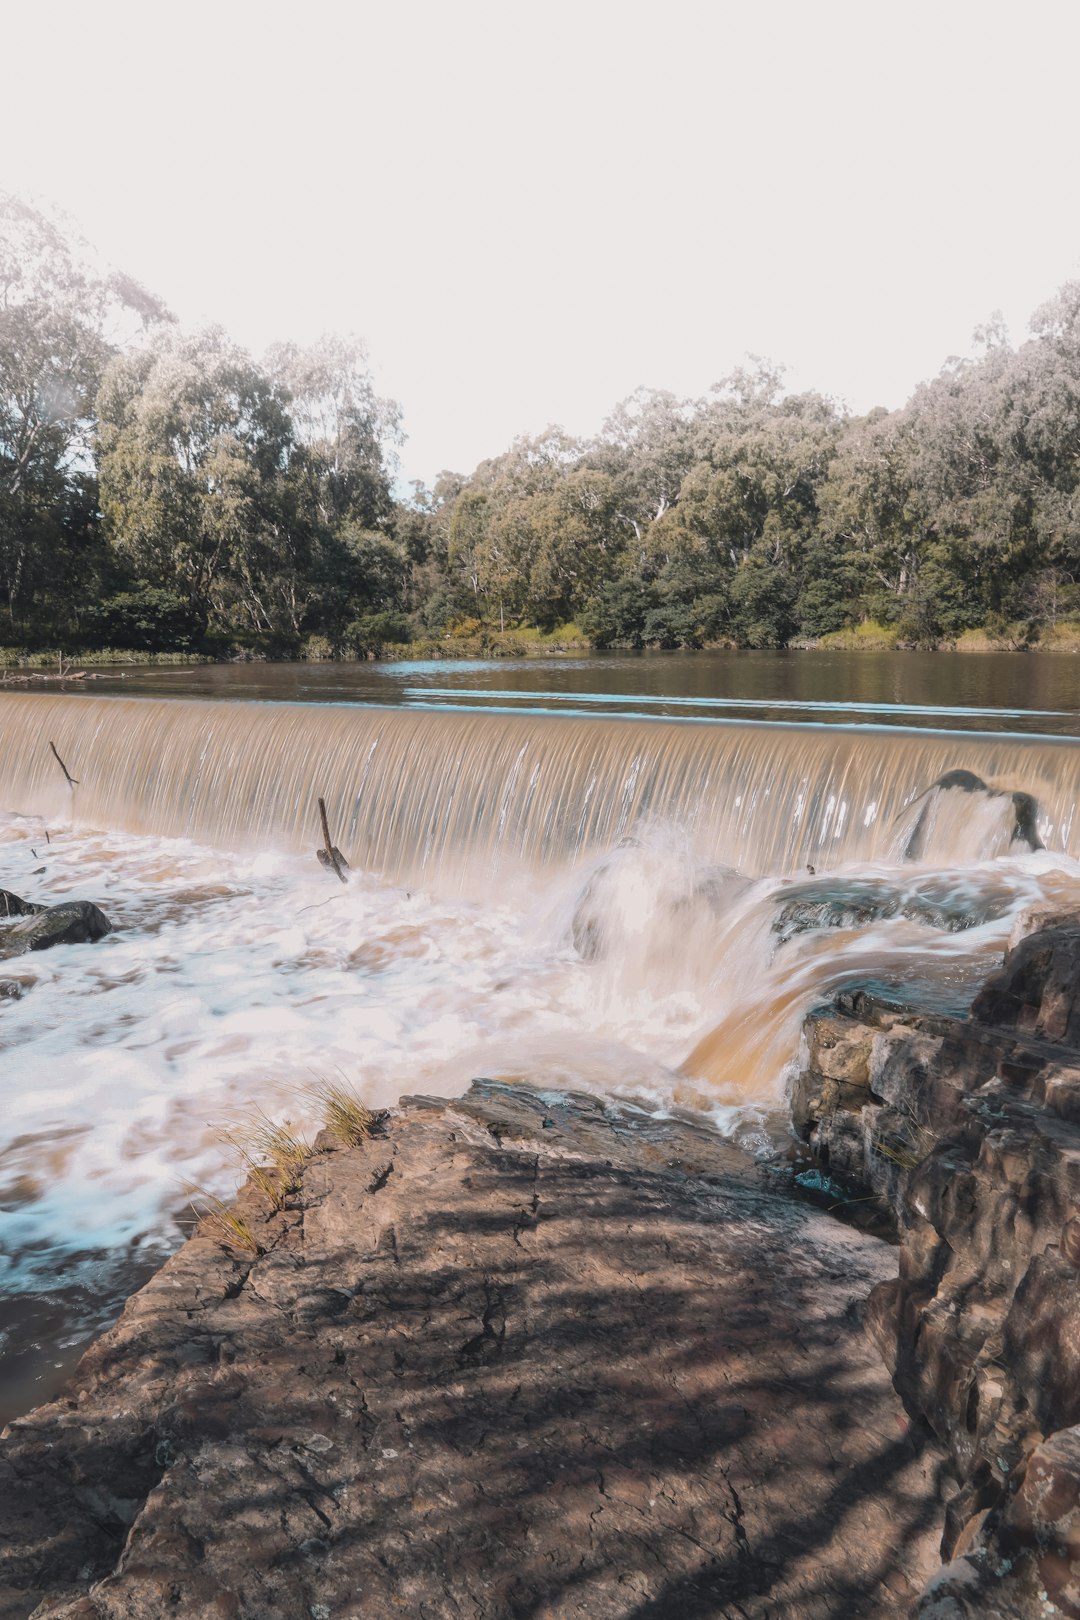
(346, 1118)
(230, 1225)
(903, 1156)
(272, 1153)
(906, 1150)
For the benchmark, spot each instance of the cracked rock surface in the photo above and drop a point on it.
(523, 1355)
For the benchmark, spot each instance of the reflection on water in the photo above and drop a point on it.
(1027, 692)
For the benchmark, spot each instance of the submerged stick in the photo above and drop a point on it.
(330, 856)
(71, 779)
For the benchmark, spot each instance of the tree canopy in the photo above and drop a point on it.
(166, 489)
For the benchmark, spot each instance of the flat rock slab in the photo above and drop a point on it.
(521, 1356)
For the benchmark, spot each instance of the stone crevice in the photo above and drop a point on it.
(968, 1133)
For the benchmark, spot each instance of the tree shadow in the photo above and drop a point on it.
(551, 1387)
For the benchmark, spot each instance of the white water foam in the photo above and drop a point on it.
(236, 981)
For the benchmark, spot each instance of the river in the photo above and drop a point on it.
(591, 871)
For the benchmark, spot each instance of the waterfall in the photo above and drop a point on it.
(440, 798)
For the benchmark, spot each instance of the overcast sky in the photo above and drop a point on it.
(529, 210)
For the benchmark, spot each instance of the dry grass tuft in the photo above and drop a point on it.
(229, 1226)
(272, 1153)
(907, 1146)
(344, 1115)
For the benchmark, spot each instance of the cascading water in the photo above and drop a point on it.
(610, 903)
(446, 798)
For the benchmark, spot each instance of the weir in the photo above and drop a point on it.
(444, 798)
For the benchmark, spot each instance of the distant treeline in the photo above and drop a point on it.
(162, 490)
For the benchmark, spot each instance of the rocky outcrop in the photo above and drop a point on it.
(969, 1130)
(73, 922)
(523, 1355)
(838, 901)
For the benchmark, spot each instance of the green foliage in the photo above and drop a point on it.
(762, 598)
(143, 618)
(197, 498)
(619, 614)
(375, 631)
(868, 635)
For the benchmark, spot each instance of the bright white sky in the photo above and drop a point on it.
(529, 210)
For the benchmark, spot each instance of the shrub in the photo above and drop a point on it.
(374, 631)
(146, 619)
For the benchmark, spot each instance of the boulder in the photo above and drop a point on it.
(73, 922)
(1024, 1559)
(1037, 990)
(1025, 809)
(644, 889)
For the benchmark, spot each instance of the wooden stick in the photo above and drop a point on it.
(330, 855)
(327, 845)
(71, 779)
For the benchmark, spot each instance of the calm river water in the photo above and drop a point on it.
(955, 691)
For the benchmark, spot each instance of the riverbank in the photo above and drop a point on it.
(521, 1354)
(530, 643)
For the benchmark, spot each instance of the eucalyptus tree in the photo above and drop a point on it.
(504, 524)
(646, 447)
(868, 514)
(578, 539)
(1048, 383)
(193, 442)
(730, 557)
(62, 316)
(343, 432)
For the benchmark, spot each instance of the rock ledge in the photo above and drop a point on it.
(524, 1355)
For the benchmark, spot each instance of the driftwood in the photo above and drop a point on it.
(330, 856)
(72, 782)
(27, 677)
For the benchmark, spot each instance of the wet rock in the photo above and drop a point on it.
(1038, 988)
(642, 889)
(1025, 809)
(978, 1121)
(856, 902)
(525, 1354)
(588, 926)
(844, 904)
(74, 922)
(12, 906)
